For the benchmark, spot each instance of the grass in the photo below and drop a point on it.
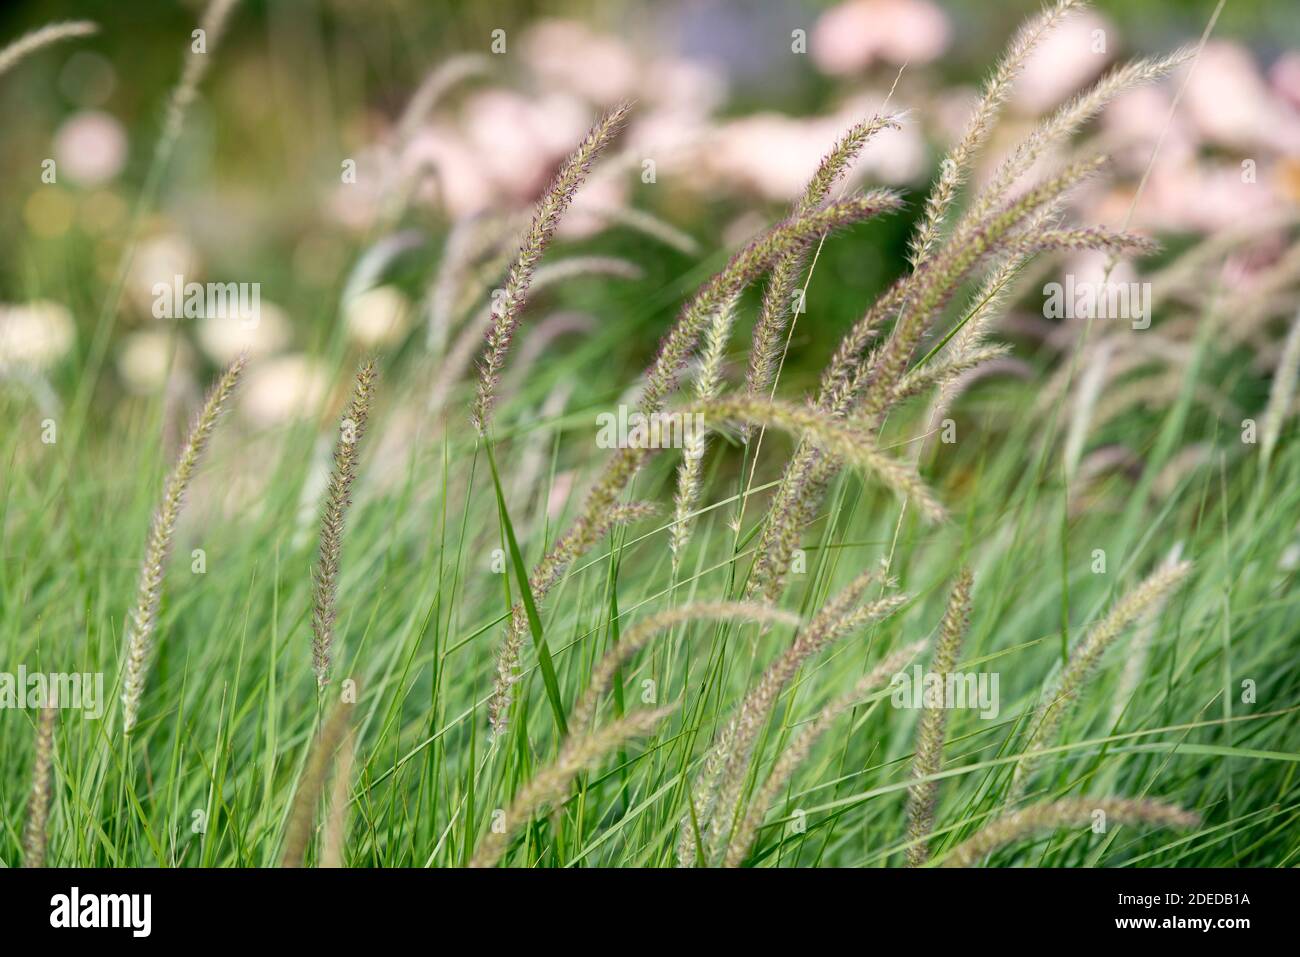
(234, 742)
(231, 709)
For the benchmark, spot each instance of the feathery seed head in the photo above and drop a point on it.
(802, 744)
(42, 37)
(932, 729)
(546, 218)
(842, 441)
(551, 783)
(580, 537)
(1281, 393)
(142, 620)
(1070, 812)
(1084, 658)
(337, 500)
(302, 813)
(955, 167)
(35, 832)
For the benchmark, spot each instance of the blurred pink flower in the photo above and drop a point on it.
(517, 142)
(774, 155)
(1066, 59)
(1136, 120)
(1186, 195)
(603, 191)
(1285, 77)
(682, 86)
(447, 171)
(1232, 106)
(569, 56)
(90, 147)
(851, 36)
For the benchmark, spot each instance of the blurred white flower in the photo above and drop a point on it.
(145, 357)
(90, 147)
(378, 316)
(1067, 58)
(851, 36)
(282, 389)
(160, 259)
(36, 334)
(225, 337)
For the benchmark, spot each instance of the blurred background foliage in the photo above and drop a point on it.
(252, 192)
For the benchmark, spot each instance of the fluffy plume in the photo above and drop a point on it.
(955, 167)
(985, 305)
(1071, 812)
(325, 580)
(1282, 393)
(336, 815)
(914, 301)
(707, 384)
(35, 833)
(661, 379)
(603, 675)
(302, 813)
(942, 372)
(923, 796)
(718, 788)
(837, 439)
(213, 25)
(546, 218)
(760, 254)
(1140, 648)
(797, 751)
(1084, 658)
(934, 284)
(549, 785)
(1066, 121)
(1091, 237)
(143, 618)
(543, 578)
(779, 296)
(49, 34)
